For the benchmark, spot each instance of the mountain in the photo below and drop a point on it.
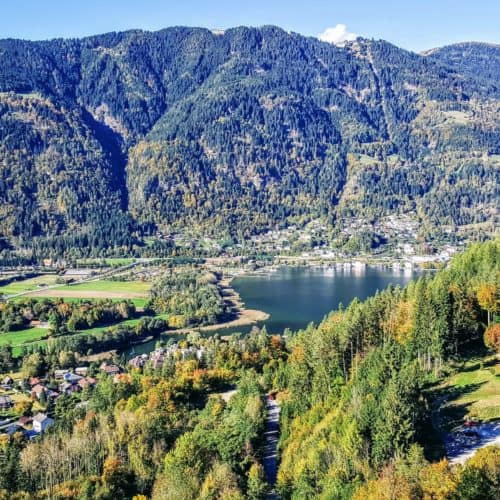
(475, 59)
(109, 138)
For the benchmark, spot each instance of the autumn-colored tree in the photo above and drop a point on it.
(437, 481)
(256, 484)
(115, 477)
(492, 337)
(488, 299)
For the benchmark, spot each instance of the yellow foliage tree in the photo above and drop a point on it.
(488, 298)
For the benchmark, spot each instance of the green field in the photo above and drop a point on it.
(99, 289)
(35, 336)
(473, 391)
(31, 284)
(22, 336)
(123, 287)
(99, 329)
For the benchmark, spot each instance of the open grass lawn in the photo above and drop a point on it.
(22, 336)
(35, 336)
(112, 286)
(100, 289)
(99, 329)
(473, 391)
(28, 285)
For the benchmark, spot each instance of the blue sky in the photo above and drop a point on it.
(412, 24)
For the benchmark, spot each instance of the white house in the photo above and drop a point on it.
(41, 423)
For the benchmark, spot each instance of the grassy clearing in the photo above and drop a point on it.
(99, 289)
(474, 391)
(35, 336)
(99, 329)
(20, 337)
(29, 284)
(112, 286)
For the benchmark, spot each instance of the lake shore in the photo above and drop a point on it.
(242, 316)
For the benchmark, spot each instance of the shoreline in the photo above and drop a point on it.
(232, 299)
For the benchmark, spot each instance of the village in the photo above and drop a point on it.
(27, 405)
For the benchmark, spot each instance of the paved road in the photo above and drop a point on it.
(272, 433)
(462, 445)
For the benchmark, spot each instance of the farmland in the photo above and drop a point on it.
(96, 289)
(38, 289)
(31, 284)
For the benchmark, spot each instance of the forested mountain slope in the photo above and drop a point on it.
(479, 60)
(239, 131)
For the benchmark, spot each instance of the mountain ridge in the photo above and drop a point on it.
(240, 131)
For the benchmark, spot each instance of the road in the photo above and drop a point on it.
(271, 436)
(460, 446)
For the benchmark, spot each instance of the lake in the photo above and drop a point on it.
(295, 296)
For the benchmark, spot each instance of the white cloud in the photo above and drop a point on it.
(337, 35)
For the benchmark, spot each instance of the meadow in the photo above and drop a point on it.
(31, 284)
(474, 392)
(136, 291)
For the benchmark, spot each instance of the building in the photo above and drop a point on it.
(59, 374)
(37, 390)
(110, 369)
(25, 421)
(72, 378)
(87, 382)
(41, 423)
(6, 403)
(69, 388)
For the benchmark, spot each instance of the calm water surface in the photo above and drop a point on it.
(295, 296)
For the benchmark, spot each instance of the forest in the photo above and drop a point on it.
(188, 298)
(235, 133)
(353, 392)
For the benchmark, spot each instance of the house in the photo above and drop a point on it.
(41, 423)
(37, 390)
(34, 381)
(24, 421)
(110, 369)
(6, 402)
(59, 374)
(69, 388)
(82, 370)
(79, 273)
(87, 382)
(72, 378)
(7, 381)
